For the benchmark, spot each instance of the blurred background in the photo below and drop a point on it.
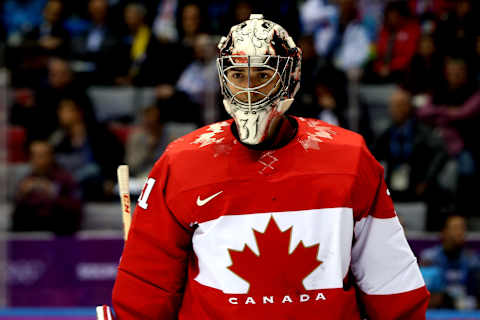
(88, 85)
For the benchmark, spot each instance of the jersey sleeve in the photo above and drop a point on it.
(385, 269)
(152, 271)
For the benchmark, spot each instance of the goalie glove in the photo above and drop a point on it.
(104, 313)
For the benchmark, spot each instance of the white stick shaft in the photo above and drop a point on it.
(124, 191)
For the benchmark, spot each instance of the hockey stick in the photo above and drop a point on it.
(104, 312)
(124, 192)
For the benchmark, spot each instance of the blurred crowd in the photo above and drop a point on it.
(424, 54)
(426, 51)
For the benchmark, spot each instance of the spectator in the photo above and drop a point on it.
(458, 268)
(146, 145)
(344, 40)
(33, 107)
(315, 14)
(50, 36)
(47, 199)
(425, 70)
(20, 17)
(61, 82)
(190, 23)
(455, 110)
(371, 12)
(87, 150)
(140, 52)
(95, 47)
(413, 157)
(397, 43)
(330, 97)
(60, 75)
(200, 79)
(137, 48)
(29, 55)
(164, 25)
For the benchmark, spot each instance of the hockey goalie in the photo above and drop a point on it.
(266, 216)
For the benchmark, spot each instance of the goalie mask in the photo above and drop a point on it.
(259, 71)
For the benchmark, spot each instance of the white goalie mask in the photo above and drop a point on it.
(259, 71)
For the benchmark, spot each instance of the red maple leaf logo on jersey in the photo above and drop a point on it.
(274, 269)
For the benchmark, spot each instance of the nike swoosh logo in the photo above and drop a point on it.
(201, 202)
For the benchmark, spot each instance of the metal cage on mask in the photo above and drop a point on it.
(281, 67)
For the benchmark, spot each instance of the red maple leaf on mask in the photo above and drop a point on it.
(241, 59)
(274, 269)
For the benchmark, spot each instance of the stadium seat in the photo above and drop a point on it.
(412, 215)
(112, 103)
(102, 216)
(119, 103)
(377, 99)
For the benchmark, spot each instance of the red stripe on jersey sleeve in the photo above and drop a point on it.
(410, 305)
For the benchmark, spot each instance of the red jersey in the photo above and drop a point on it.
(223, 231)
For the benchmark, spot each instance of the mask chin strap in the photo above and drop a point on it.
(283, 105)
